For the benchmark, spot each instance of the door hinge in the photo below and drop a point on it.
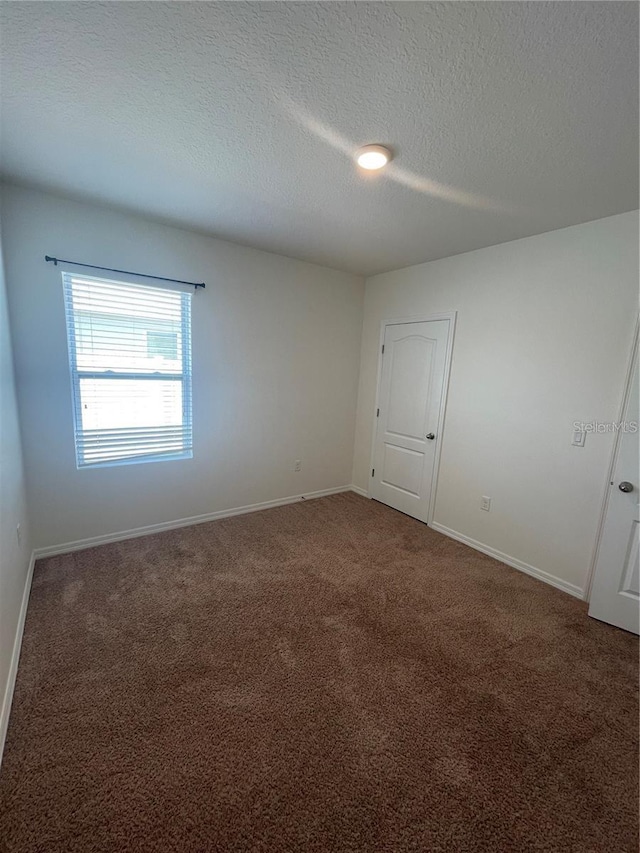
(377, 413)
(382, 349)
(373, 471)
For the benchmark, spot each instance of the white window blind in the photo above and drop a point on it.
(130, 362)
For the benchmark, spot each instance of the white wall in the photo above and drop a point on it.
(14, 556)
(276, 350)
(543, 338)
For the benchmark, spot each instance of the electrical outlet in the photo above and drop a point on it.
(297, 465)
(18, 534)
(485, 503)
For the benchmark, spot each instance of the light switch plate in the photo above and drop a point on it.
(578, 438)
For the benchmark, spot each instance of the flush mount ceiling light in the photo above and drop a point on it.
(373, 157)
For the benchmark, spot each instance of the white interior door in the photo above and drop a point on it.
(411, 388)
(615, 594)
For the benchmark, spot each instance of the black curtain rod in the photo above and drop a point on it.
(57, 261)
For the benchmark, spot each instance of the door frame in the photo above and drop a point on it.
(451, 316)
(612, 464)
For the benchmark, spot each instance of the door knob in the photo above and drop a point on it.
(625, 486)
(430, 436)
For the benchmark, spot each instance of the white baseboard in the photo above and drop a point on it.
(359, 491)
(91, 542)
(15, 657)
(572, 589)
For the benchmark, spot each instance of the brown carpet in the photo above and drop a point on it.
(326, 676)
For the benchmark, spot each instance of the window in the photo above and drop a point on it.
(162, 343)
(130, 361)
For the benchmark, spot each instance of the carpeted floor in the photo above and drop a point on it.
(326, 676)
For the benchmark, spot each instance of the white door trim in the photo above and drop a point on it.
(612, 464)
(421, 318)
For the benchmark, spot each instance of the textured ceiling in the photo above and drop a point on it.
(239, 119)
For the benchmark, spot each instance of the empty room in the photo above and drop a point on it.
(319, 458)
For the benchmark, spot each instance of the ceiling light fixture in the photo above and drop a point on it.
(373, 157)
